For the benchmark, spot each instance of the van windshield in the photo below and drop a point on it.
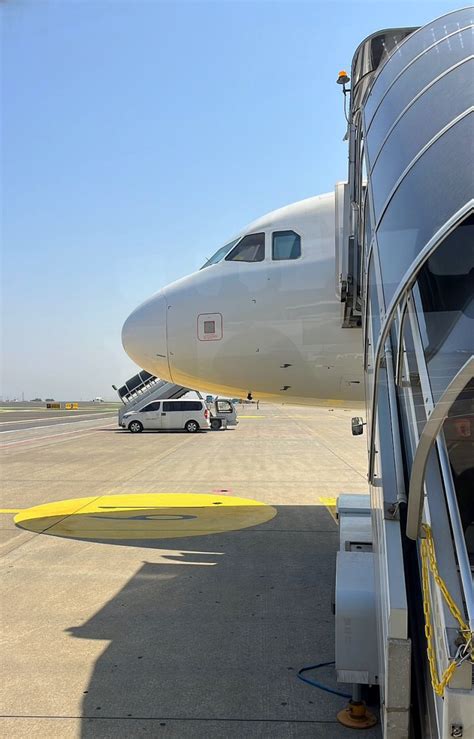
(220, 254)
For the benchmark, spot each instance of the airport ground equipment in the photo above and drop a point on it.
(143, 388)
(223, 413)
(405, 273)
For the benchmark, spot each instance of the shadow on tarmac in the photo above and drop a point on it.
(212, 637)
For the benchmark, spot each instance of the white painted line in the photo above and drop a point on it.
(48, 426)
(52, 418)
(54, 436)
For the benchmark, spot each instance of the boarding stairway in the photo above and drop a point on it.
(145, 387)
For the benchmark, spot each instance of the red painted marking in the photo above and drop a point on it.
(223, 491)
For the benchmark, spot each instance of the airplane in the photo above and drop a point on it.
(369, 293)
(261, 318)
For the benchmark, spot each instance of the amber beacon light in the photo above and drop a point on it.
(343, 78)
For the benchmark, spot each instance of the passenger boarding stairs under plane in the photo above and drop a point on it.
(145, 387)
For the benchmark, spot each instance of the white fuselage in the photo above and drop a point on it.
(269, 328)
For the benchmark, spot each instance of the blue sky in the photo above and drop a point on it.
(136, 138)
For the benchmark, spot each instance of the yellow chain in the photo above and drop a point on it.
(428, 562)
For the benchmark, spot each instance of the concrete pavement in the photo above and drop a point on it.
(196, 636)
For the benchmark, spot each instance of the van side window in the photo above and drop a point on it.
(286, 245)
(250, 249)
(182, 405)
(150, 407)
(191, 405)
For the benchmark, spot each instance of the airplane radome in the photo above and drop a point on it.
(260, 317)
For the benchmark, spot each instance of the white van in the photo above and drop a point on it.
(165, 415)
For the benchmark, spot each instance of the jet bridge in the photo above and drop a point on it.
(405, 256)
(144, 387)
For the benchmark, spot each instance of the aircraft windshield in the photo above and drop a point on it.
(220, 254)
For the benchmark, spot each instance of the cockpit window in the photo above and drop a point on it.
(250, 249)
(220, 254)
(286, 245)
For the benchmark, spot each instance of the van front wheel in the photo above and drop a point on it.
(191, 427)
(135, 427)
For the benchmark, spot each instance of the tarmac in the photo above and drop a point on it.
(173, 584)
(18, 416)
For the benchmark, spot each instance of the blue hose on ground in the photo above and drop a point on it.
(319, 685)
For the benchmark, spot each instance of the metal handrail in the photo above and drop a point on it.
(140, 389)
(427, 438)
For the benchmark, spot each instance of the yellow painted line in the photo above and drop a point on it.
(328, 501)
(330, 504)
(304, 418)
(10, 510)
(144, 516)
(259, 417)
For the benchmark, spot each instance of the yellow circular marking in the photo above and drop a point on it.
(145, 516)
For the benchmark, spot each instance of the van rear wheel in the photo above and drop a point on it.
(191, 427)
(216, 423)
(135, 427)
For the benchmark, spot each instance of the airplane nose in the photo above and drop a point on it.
(144, 336)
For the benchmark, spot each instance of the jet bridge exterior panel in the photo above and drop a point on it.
(428, 113)
(420, 141)
(416, 44)
(416, 82)
(435, 194)
(411, 124)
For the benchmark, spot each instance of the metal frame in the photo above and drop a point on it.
(397, 449)
(444, 488)
(286, 231)
(402, 314)
(406, 283)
